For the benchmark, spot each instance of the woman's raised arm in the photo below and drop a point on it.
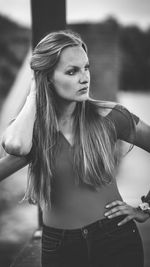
(17, 138)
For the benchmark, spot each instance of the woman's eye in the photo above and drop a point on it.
(87, 67)
(71, 72)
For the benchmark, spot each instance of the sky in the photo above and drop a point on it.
(126, 11)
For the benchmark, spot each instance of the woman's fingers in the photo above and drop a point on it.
(127, 219)
(115, 203)
(118, 208)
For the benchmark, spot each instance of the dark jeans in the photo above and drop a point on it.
(100, 244)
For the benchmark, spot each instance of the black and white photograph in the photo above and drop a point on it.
(74, 133)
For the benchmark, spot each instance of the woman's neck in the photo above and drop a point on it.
(65, 109)
(65, 112)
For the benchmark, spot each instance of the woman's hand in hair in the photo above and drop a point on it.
(118, 208)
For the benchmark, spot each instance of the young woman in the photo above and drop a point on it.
(72, 140)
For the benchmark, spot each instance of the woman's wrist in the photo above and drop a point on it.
(30, 105)
(32, 92)
(31, 96)
(145, 205)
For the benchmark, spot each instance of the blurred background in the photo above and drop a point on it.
(117, 33)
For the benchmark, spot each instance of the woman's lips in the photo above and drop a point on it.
(83, 90)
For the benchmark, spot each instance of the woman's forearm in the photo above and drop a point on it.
(17, 139)
(10, 164)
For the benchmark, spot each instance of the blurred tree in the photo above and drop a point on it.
(14, 44)
(135, 45)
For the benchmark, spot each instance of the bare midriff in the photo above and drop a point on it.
(75, 208)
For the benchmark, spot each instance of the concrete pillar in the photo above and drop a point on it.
(47, 16)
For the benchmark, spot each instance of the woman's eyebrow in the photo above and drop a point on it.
(72, 66)
(76, 66)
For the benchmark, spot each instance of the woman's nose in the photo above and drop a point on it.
(84, 77)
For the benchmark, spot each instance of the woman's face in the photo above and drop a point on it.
(71, 77)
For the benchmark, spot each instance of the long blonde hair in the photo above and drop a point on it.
(94, 134)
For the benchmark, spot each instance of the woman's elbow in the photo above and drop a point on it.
(14, 147)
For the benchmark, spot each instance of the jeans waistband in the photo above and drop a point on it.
(104, 225)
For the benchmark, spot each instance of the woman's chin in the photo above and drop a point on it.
(83, 97)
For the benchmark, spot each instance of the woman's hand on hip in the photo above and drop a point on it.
(118, 208)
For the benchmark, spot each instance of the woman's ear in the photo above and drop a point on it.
(49, 79)
(50, 83)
